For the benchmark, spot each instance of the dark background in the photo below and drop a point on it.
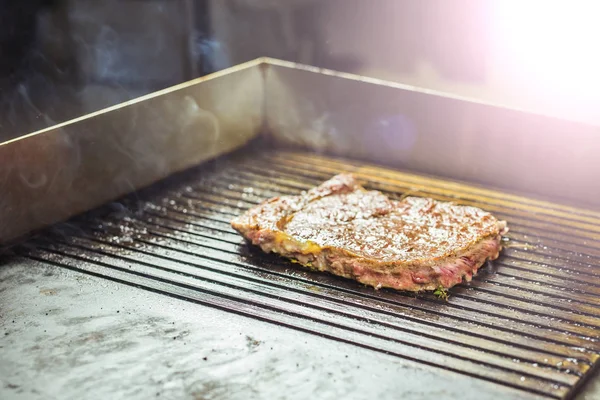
(60, 59)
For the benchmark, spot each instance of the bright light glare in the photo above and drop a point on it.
(551, 42)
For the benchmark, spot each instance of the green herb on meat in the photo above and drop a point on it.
(441, 293)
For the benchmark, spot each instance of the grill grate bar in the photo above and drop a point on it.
(512, 282)
(571, 275)
(556, 263)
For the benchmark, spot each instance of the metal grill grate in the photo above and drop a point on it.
(530, 321)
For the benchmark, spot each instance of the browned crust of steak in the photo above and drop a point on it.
(412, 244)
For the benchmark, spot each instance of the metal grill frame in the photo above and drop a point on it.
(530, 321)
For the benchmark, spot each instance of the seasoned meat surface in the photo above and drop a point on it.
(410, 244)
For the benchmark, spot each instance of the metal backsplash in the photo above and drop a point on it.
(51, 175)
(435, 133)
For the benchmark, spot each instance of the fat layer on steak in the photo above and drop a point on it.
(411, 244)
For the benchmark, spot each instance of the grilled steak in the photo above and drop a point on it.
(411, 244)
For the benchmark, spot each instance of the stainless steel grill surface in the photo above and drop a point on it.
(530, 320)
